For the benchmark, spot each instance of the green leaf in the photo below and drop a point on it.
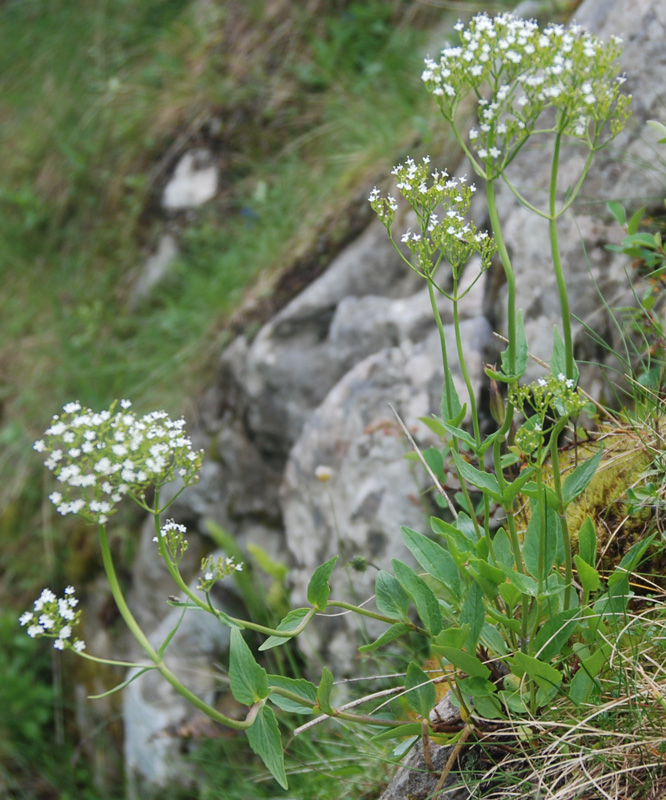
(435, 424)
(489, 572)
(453, 637)
(299, 686)
(554, 634)
(391, 598)
(451, 533)
(587, 542)
(513, 488)
(421, 694)
(583, 682)
(521, 354)
(511, 624)
(475, 477)
(587, 575)
(264, 738)
(492, 639)
(425, 601)
(488, 707)
(464, 661)
(532, 541)
(434, 559)
(488, 588)
(476, 687)
(635, 221)
(276, 569)
(544, 675)
(617, 210)
(511, 594)
(632, 558)
(324, 691)
(613, 603)
(319, 588)
(473, 613)
(558, 361)
(248, 680)
(408, 729)
(433, 458)
(521, 345)
(502, 548)
(452, 411)
(289, 623)
(659, 127)
(459, 433)
(388, 636)
(523, 583)
(577, 481)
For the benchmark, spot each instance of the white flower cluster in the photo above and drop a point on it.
(441, 203)
(527, 70)
(55, 618)
(216, 570)
(173, 536)
(98, 458)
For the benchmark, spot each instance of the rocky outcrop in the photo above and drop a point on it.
(313, 386)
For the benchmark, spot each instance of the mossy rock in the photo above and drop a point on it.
(628, 455)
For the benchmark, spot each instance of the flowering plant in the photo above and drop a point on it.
(499, 607)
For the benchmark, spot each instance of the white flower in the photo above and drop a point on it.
(323, 473)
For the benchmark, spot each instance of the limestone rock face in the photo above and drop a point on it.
(313, 386)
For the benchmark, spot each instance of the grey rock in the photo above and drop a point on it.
(373, 490)
(413, 781)
(154, 270)
(151, 707)
(194, 181)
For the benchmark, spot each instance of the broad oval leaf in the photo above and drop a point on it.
(264, 738)
(422, 595)
(289, 623)
(421, 694)
(248, 681)
(391, 598)
(434, 559)
(319, 588)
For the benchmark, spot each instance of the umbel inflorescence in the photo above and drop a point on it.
(99, 458)
(55, 618)
(517, 71)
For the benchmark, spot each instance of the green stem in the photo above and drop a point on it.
(557, 263)
(372, 614)
(463, 365)
(210, 609)
(449, 409)
(566, 538)
(508, 272)
(154, 656)
(346, 715)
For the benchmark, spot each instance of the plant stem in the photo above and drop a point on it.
(372, 614)
(557, 263)
(449, 403)
(566, 538)
(508, 272)
(154, 656)
(463, 365)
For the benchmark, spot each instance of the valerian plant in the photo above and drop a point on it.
(499, 606)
